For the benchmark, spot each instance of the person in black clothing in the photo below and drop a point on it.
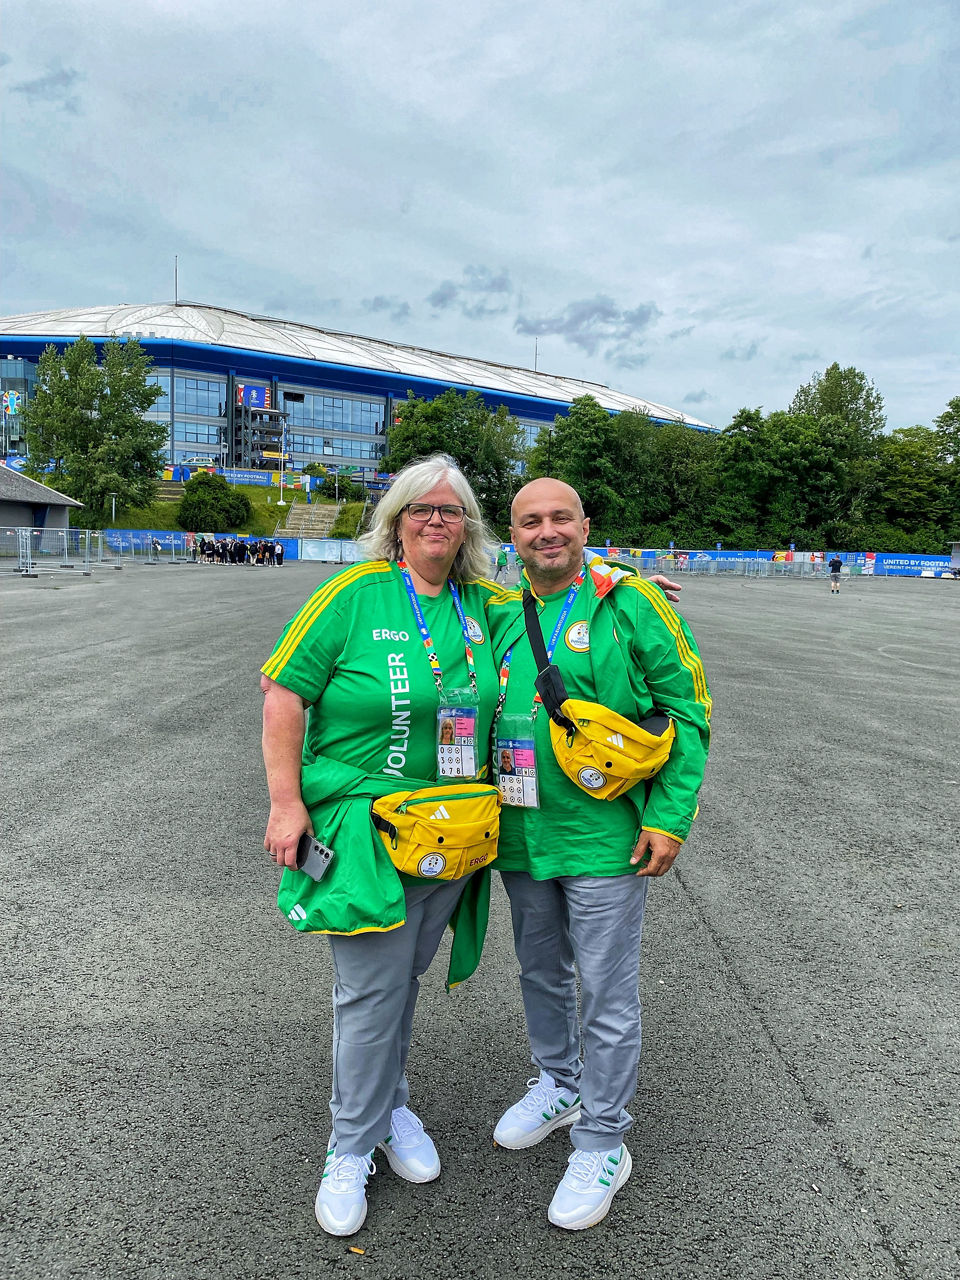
(836, 564)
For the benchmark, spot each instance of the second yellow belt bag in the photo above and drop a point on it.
(440, 832)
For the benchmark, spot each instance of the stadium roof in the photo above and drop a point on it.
(216, 326)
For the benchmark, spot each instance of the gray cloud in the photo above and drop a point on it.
(597, 324)
(792, 164)
(748, 352)
(482, 280)
(696, 397)
(396, 308)
(444, 295)
(5, 59)
(481, 293)
(55, 87)
(805, 357)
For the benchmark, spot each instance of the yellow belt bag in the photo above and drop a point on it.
(601, 751)
(438, 832)
(604, 753)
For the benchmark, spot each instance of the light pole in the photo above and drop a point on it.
(283, 457)
(113, 507)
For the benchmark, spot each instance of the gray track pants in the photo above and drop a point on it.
(595, 923)
(374, 995)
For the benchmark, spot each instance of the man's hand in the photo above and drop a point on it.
(668, 588)
(654, 853)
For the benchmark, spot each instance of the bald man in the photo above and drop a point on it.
(577, 869)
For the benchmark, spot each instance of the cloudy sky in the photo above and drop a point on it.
(694, 202)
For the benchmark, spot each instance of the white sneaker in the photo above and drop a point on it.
(410, 1152)
(341, 1203)
(545, 1107)
(587, 1188)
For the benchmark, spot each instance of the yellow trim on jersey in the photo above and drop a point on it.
(304, 620)
(483, 582)
(510, 596)
(659, 831)
(352, 933)
(689, 659)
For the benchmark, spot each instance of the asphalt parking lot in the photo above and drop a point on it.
(166, 1034)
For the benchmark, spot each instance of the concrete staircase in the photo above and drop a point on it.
(308, 521)
(170, 491)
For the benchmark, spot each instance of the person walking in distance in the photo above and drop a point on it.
(836, 564)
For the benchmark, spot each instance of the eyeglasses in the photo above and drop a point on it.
(422, 512)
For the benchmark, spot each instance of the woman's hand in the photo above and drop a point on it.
(286, 824)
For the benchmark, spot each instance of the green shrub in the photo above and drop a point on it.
(209, 502)
(345, 525)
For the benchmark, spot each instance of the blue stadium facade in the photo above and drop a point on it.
(232, 383)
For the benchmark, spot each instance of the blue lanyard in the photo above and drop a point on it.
(424, 630)
(555, 636)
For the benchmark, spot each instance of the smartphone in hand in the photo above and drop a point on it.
(313, 856)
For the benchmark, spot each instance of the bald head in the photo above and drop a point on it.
(549, 532)
(549, 490)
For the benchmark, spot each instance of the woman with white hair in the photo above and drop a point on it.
(383, 656)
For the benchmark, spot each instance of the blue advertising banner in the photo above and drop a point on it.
(246, 477)
(136, 540)
(255, 397)
(910, 566)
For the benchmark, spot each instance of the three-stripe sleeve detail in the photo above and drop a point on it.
(304, 620)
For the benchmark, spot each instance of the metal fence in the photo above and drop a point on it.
(30, 551)
(27, 551)
(118, 547)
(744, 567)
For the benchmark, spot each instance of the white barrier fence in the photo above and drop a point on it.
(29, 551)
(26, 551)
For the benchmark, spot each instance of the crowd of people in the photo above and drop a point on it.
(237, 551)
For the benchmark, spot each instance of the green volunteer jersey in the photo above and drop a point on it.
(354, 654)
(622, 645)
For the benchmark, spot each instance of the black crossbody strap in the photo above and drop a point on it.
(549, 682)
(386, 827)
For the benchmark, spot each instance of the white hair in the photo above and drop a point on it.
(382, 539)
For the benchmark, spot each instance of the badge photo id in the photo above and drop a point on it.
(457, 741)
(516, 763)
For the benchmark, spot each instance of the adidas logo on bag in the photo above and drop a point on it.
(297, 913)
(441, 813)
(616, 739)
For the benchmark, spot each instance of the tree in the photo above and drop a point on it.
(914, 490)
(581, 449)
(846, 394)
(486, 445)
(212, 505)
(947, 428)
(665, 479)
(58, 416)
(742, 479)
(85, 426)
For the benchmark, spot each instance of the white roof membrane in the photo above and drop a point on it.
(216, 326)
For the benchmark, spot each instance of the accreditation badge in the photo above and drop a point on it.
(458, 727)
(515, 762)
